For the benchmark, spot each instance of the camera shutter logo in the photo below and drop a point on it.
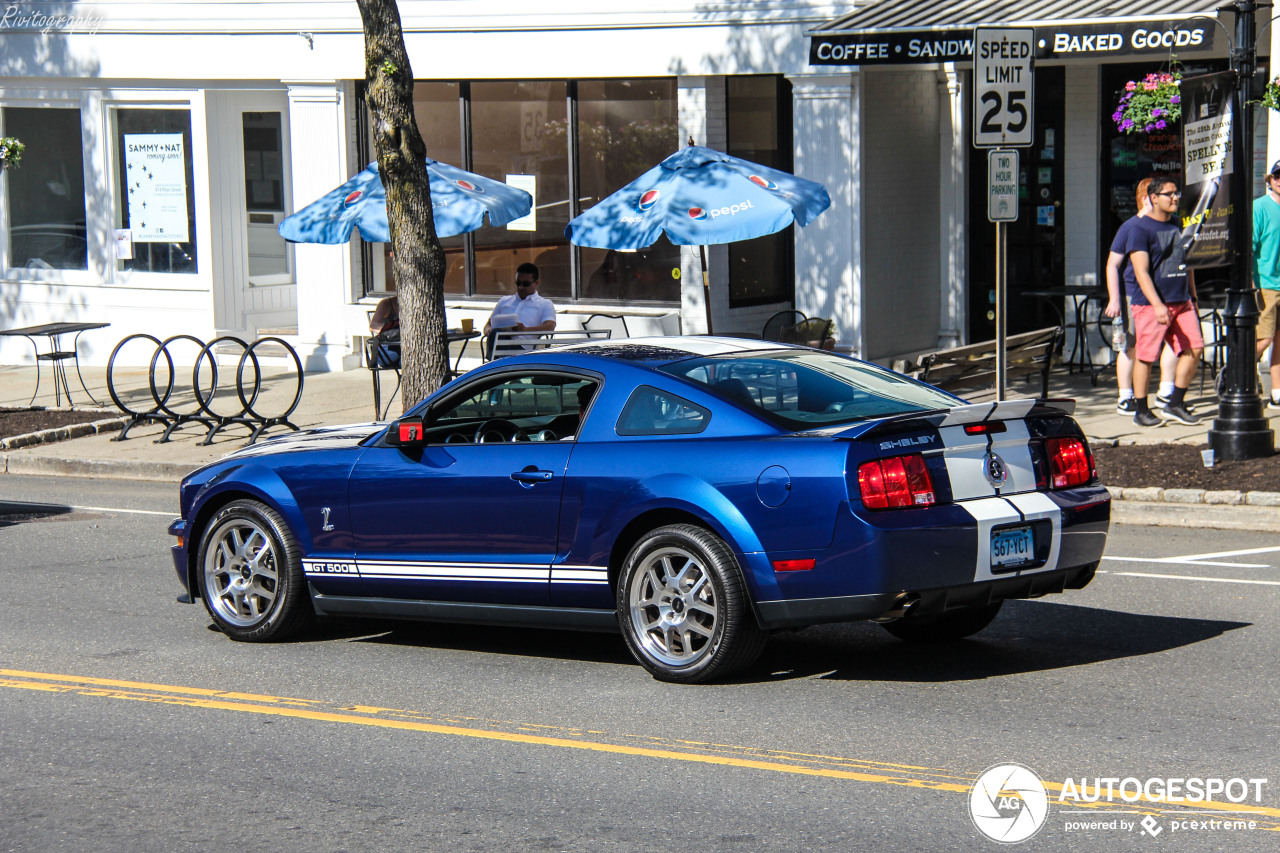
(1008, 803)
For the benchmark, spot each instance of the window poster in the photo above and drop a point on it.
(155, 173)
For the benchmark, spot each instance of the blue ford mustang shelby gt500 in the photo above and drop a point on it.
(693, 493)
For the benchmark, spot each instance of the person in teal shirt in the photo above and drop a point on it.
(1266, 274)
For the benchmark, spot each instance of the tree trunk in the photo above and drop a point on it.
(418, 259)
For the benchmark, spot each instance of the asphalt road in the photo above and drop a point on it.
(127, 723)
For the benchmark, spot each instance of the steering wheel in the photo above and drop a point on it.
(498, 430)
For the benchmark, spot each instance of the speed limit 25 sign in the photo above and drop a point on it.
(1003, 86)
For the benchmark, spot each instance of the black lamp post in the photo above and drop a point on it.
(1241, 431)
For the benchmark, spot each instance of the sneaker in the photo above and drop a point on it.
(1162, 400)
(1146, 419)
(1273, 403)
(1179, 413)
(1127, 406)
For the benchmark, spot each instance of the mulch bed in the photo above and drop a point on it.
(1179, 466)
(22, 421)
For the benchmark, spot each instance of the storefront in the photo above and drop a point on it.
(165, 147)
(1077, 179)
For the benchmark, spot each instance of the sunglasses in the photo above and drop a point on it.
(520, 283)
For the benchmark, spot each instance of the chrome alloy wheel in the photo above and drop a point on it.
(241, 572)
(675, 611)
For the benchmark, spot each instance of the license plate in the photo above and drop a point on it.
(1012, 546)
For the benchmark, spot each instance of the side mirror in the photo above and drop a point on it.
(406, 432)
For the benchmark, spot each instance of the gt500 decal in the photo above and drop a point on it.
(911, 441)
(317, 568)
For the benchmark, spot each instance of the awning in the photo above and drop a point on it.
(913, 32)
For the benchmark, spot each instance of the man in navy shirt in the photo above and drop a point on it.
(1162, 292)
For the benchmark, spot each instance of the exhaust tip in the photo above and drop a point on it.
(901, 606)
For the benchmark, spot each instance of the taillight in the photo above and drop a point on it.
(1070, 463)
(899, 481)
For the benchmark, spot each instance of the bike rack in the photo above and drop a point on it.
(167, 400)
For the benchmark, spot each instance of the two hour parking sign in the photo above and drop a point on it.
(1003, 86)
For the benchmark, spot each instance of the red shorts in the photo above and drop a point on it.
(1182, 333)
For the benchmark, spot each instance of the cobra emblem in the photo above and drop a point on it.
(995, 469)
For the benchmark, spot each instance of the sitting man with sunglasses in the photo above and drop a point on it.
(522, 311)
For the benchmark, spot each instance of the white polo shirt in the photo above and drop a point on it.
(533, 310)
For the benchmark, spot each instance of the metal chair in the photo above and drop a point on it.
(371, 349)
(616, 324)
(776, 326)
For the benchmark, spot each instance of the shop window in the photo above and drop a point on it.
(45, 194)
(625, 128)
(522, 132)
(155, 189)
(437, 108)
(759, 129)
(517, 135)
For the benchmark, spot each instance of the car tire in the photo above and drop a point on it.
(955, 625)
(250, 574)
(683, 606)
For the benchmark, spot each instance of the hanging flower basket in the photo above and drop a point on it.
(1150, 104)
(1271, 95)
(10, 152)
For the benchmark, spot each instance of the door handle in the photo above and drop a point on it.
(532, 475)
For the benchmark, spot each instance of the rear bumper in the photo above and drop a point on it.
(940, 557)
(852, 608)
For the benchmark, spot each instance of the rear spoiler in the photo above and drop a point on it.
(972, 413)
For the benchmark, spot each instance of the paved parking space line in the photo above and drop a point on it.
(1191, 578)
(1179, 562)
(173, 514)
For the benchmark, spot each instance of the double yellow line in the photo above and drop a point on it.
(780, 761)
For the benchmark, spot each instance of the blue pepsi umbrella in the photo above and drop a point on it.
(459, 202)
(699, 197)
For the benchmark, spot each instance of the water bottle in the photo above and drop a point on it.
(1117, 333)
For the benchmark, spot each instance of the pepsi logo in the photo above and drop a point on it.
(697, 213)
(648, 200)
(467, 185)
(352, 198)
(764, 182)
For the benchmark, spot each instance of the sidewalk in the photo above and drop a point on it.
(345, 398)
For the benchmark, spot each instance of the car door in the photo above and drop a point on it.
(473, 516)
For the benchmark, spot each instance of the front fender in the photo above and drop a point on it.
(257, 481)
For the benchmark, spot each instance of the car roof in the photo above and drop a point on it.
(669, 348)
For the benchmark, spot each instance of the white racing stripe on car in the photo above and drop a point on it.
(993, 512)
(580, 574)
(965, 458)
(1035, 506)
(979, 412)
(412, 570)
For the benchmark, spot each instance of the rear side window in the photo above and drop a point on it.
(650, 411)
(806, 389)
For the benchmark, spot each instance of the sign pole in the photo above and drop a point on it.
(1002, 208)
(1004, 87)
(1002, 288)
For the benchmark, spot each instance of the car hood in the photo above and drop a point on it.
(320, 438)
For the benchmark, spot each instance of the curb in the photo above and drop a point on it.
(164, 472)
(1155, 495)
(49, 436)
(1263, 519)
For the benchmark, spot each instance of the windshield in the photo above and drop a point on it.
(807, 389)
